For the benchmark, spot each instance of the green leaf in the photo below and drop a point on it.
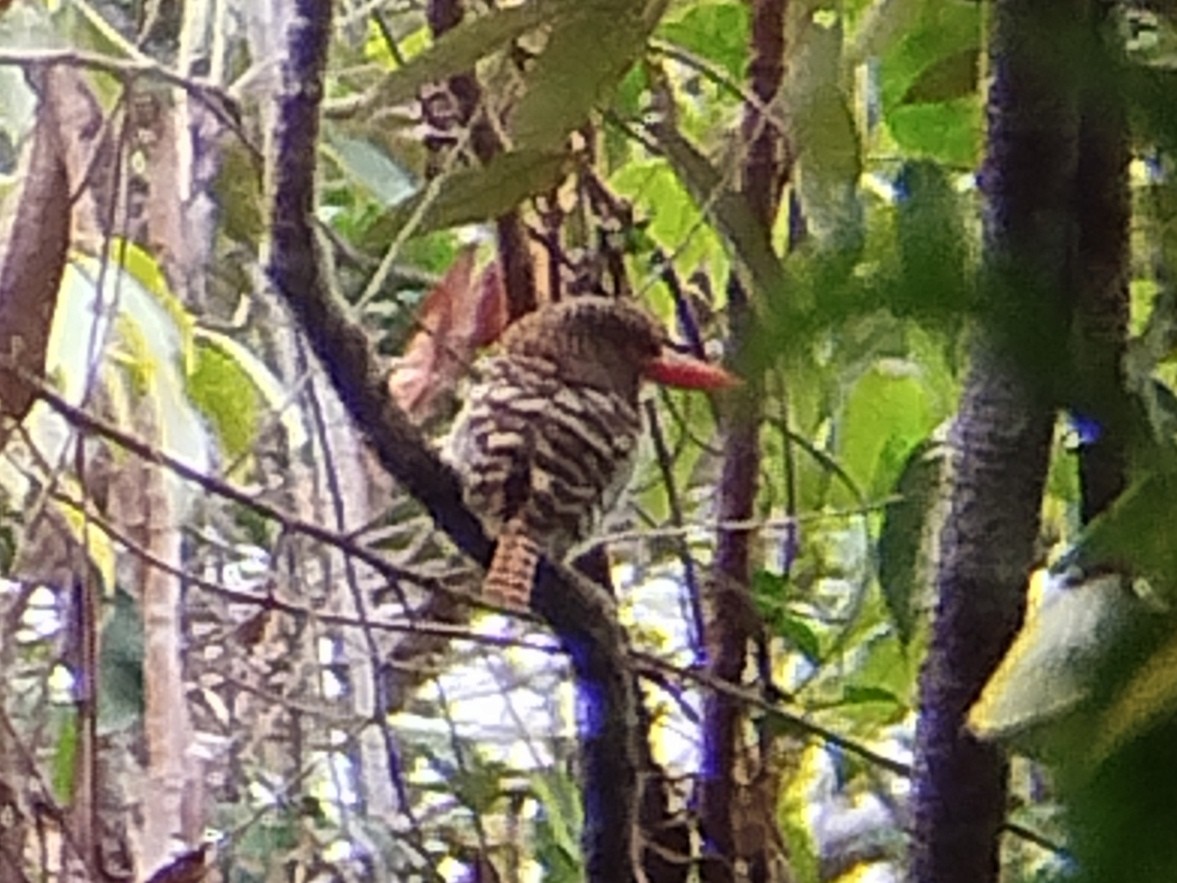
(795, 816)
(944, 30)
(888, 411)
(587, 54)
(923, 63)
(1125, 537)
(934, 280)
(373, 169)
(142, 266)
(830, 163)
(559, 826)
(226, 395)
(883, 25)
(798, 633)
(1057, 663)
(717, 31)
(749, 241)
(238, 189)
(479, 783)
(859, 695)
(951, 132)
(675, 221)
(459, 49)
(951, 77)
(473, 195)
(824, 134)
(825, 126)
(1148, 697)
(879, 662)
(1149, 91)
(903, 534)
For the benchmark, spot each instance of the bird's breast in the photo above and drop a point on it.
(528, 443)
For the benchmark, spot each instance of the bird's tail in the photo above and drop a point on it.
(512, 570)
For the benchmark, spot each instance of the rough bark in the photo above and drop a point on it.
(1001, 439)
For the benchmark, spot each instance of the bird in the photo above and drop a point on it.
(547, 436)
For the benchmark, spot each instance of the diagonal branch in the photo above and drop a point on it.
(580, 614)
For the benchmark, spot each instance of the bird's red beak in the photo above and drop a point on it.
(687, 372)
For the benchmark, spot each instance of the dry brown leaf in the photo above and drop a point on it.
(459, 316)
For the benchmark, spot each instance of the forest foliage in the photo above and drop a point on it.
(211, 582)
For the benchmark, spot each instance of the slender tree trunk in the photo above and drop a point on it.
(732, 775)
(1001, 439)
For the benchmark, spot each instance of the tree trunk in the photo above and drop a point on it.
(1001, 440)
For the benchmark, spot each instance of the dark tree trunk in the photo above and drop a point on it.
(1001, 440)
(733, 623)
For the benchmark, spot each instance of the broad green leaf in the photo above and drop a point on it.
(256, 384)
(591, 47)
(880, 666)
(825, 128)
(858, 695)
(473, 195)
(1149, 696)
(947, 79)
(829, 164)
(823, 134)
(717, 31)
(1126, 538)
(888, 412)
(458, 50)
(950, 132)
(769, 588)
(881, 26)
(944, 30)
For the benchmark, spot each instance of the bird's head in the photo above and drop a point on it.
(609, 344)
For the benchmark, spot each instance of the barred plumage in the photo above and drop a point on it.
(534, 447)
(547, 438)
